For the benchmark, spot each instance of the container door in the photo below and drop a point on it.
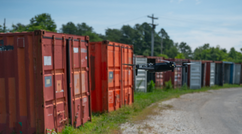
(227, 73)
(128, 76)
(212, 74)
(184, 75)
(54, 79)
(240, 73)
(231, 80)
(79, 80)
(114, 77)
(237, 72)
(195, 75)
(141, 77)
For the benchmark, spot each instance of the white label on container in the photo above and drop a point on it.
(83, 50)
(47, 60)
(86, 57)
(85, 100)
(75, 49)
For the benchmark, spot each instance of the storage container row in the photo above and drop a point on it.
(49, 80)
(197, 75)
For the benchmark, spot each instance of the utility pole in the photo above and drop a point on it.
(152, 33)
(4, 26)
(161, 45)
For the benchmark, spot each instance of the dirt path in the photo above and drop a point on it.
(212, 112)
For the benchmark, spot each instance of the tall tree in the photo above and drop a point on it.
(80, 29)
(42, 21)
(69, 28)
(19, 27)
(185, 49)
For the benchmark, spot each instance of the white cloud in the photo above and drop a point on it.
(196, 38)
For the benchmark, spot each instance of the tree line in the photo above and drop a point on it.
(138, 35)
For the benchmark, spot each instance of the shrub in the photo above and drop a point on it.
(168, 85)
(184, 86)
(151, 86)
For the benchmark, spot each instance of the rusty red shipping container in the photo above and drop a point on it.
(44, 81)
(208, 66)
(112, 80)
(177, 75)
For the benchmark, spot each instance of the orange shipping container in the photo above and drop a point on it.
(44, 81)
(112, 81)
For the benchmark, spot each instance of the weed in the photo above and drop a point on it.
(151, 86)
(184, 87)
(110, 122)
(168, 85)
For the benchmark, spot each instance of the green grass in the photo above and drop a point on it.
(109, 122)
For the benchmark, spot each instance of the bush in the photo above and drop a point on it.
(168, 85)
(151, 86)
(184, 86)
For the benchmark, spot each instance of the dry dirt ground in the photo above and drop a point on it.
(212, 112)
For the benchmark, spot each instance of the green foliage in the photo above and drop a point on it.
(206, 52)
(42, 21)
(51, 131)
(185, 49)
(184, 87)
(180, 56)
(163, 55)
(168, 85)
(80, 29)
(110, 122)
(151, 86)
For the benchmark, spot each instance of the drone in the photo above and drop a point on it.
(159, 67)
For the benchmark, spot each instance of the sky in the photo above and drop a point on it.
(196, 22)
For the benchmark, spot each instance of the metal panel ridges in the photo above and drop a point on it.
(195, 75)
(237, 72)
(141, 77)
(212, 74)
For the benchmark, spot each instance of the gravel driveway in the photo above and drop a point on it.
(212, 112)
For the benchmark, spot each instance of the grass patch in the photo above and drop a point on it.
(109, 122)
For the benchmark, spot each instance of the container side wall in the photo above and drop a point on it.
(195, 75)
(141, 77)
(237, 73)
(212, 74)
(159, 75)
(96, 68)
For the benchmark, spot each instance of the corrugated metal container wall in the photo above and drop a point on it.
(34, 81)
(195, 72)
(185, 72)
(228, 72)
(141, 77)
(157, 77)
(241, 74)
(212, 74)
(151, 75)
(175, 76)
(112, 81)
(219, 73)
(209, 73)
(237, 72)
(204, 70)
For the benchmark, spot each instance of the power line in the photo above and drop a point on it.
(127, 21)
(152, 33)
